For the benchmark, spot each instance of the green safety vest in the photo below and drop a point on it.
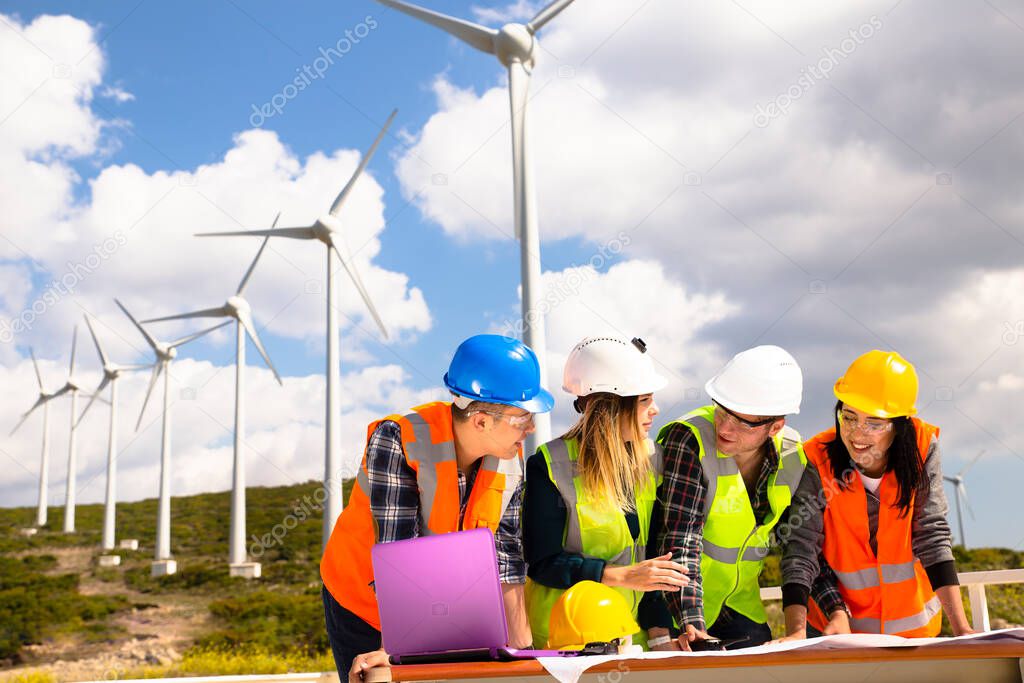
(734, 546)
(592, 529)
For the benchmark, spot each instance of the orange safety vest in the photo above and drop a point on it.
(429, 447)
(889, 593)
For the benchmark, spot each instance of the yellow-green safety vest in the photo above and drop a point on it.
(593, 529)
(734, 546)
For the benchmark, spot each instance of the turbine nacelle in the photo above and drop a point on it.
(236, 305)
(324, 226)
(514, 43)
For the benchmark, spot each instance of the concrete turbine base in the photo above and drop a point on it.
(246, 570)
(163, 568)
(109, 560)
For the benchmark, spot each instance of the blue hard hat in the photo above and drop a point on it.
(497, 369)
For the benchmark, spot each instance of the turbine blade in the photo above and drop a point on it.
(103, 384)
(971, 463)
(24, 416)
(218, 312)
(480, 37)
(962, 492)
(157, 369)
(138, 326)
(96, 341)
(519, 86)
(74, 345)
(294, 233)
(246, 321)
(252, 266)
(546, 15)
(60, 392)
(343, 195)
(350, 268)
(35, 364)
(197, 335)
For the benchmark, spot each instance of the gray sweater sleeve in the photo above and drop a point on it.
(802, 535)
(931, 538)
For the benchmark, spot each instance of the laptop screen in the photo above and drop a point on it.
(439, 593)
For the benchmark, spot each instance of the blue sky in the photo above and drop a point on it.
(830, 230)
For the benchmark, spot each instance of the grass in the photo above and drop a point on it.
(252, 660)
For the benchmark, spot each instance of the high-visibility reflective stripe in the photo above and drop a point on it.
(858, 580)
(896, 626)
(731, 555)
(931, 608)
(563, 471)
(895, 573)
(868, 578)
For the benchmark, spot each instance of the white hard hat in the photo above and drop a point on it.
(611, 365)
(764, 380)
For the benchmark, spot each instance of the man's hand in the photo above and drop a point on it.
(799, 635)
(367, 661)
(690, 635)
(658, 574)
(838, 622)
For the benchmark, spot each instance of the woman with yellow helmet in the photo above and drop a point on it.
(591, 494)
(871, 511)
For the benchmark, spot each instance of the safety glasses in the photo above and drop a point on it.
(731, 418)
(849, 423)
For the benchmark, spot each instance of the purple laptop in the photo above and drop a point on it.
(440, 600)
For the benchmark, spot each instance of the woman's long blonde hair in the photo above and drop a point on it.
(611, 469)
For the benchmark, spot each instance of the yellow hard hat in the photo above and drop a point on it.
(589, 612)
(880, 383)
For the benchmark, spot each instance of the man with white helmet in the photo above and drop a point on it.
(591, 495)
(731, 469)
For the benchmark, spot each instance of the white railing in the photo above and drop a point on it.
(975, 583)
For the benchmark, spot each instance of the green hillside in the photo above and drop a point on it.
(64, 618)
(56, 603)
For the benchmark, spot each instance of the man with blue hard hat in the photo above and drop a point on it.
(443, 467)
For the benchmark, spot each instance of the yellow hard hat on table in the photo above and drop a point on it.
(589, 612)
(880, 383)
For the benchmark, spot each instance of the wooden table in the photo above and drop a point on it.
(963, 662)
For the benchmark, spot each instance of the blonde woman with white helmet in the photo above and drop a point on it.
(591, 494)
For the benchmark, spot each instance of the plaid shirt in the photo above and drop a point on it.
(682, 495)
(395, 501)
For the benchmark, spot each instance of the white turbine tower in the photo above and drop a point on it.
(111, 373)
(960, 491)
(165, 352)
(44, 459)
(327, 229)
(515, 46)
(238, 308)
(70, 490)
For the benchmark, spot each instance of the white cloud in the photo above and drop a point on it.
(631, 299)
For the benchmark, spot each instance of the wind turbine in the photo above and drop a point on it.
(111, 373)
(515, 46)
(327, 229)
(238, 308)
(44, 460)
(960, 491)
(165, 352)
